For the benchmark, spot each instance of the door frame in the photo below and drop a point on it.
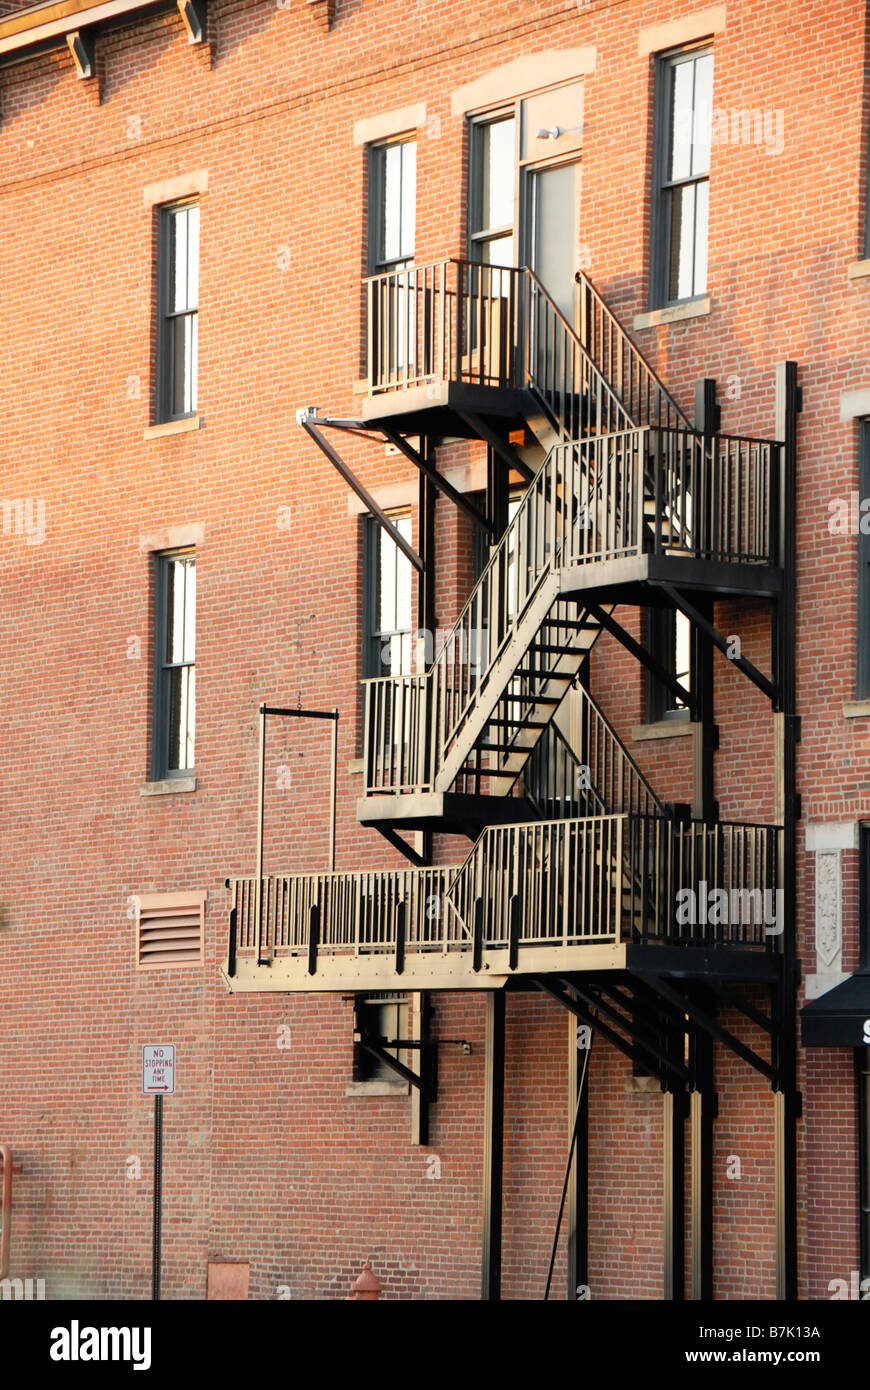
(526, 205)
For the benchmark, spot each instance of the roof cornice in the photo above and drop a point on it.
(40, 23)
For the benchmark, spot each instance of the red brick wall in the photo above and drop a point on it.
(267, 1160)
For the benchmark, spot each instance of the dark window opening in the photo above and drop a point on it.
(383, 1016)
(174, 714)
(392, 205)
(178, 309)
(683, 138)
(388, 629)
(668, 635)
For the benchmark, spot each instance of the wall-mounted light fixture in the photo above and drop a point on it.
(555, 131)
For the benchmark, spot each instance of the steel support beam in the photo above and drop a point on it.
(418, 860)
(194, 17)
(674, 1180)
(497, 495)
(305, 420)
(701, 1017)
(787, 1101)
(719, 640)
(702, 1112)
(493, 1147)
(81, 46)
(504, 451)
(427, 468)
(704, 806)
(577, 1206)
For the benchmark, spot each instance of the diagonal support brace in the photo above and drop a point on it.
(438, 480)
(643, 656)
(504, 451)
(709, 1025)
(721, 641)
(305, 419)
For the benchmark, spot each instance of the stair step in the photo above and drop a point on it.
(550, 647)
(541, 674)
(520, 723)
(499, 748)
(532, 699)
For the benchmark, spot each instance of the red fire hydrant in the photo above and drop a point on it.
(367, 1286)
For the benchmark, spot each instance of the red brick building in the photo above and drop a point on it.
(328, 326)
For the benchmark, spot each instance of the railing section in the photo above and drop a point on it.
(616, 878)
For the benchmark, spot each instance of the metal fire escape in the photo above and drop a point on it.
(572, 881)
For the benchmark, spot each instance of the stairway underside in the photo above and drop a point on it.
(448, 813)
(454, 970)
(438, 408)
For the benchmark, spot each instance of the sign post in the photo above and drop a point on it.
(158, 1080)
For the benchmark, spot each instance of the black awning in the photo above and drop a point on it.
(840, 1017)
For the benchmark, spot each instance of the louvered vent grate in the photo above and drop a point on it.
(170, 929)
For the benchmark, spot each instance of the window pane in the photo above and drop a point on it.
(387, 614)
(398, 189)
(682, 86)
(192, 257)
(691, 117)
(175, 612)
(703, 114)
(183, 331)
(499, 251)
(391, 637)
(189, 650)
(498, 174)
(681, 277)
(178, 261)
(193, 365)
(392, 210)
(409, 199)
(181, 717)
(702, 203)
(683, 633)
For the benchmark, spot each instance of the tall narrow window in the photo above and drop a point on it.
(862, 676)
(668, 635)
(392, 205)
(387, 598)
(174, 718)
(178, 299)
(684, 129)
(492, 191)
(384, 1016)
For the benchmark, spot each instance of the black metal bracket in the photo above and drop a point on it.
(438, 480)
(719, 640)
(497, 444)
(644, 656)
(705, 1020)
(306, 419)
(392, 837)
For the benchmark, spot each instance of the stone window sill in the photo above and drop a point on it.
(853, 709)
(858, 270)
(377, 1088)
(675, 313)
(168, 787)
(356, 765)
(665, 728)
(167, 427)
